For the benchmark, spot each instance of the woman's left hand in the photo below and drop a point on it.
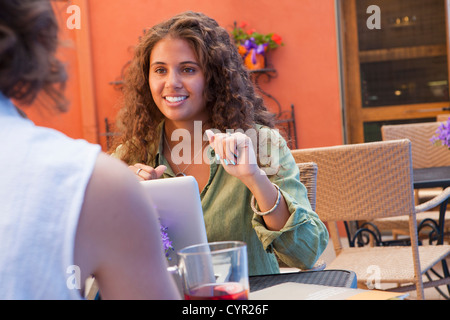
(235, 152)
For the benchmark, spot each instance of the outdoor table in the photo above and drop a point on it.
(432, 178)
(314, 285)
(332, 278)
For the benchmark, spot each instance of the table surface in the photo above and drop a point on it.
(431, 177)
(332, 278)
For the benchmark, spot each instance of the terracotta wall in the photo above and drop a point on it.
(307, 65)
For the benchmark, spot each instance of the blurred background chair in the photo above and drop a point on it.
(366, 182)
(424, 155)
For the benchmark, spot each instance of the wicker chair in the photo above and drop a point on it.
(424, 155)
(365, 182)
(308, 176)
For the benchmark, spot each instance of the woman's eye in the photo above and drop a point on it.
(160, 70)
(189, 70)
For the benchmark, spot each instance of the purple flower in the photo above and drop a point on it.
(251, 46)
(442, 135)
(167, 244)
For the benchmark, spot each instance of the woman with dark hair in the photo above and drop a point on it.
(188, 81)
(66, 210)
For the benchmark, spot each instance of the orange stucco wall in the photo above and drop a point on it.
(307, 65)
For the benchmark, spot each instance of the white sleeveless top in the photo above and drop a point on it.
(43, 178)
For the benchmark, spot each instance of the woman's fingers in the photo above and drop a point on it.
(144, 172)
(160, 170)
(231, 149)
(227, 146)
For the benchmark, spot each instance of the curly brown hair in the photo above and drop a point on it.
(231, 100)
(28, 42)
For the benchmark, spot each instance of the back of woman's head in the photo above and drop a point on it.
(28, 42)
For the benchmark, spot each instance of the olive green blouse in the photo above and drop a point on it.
(228, 214)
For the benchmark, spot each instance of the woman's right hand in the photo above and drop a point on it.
(144, 172)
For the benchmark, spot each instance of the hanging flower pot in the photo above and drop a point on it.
(255, 60)
(252, 46)
(253, 54)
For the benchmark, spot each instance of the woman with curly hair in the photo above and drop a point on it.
(187, 82)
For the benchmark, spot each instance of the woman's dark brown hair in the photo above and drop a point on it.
(28, 42)
(230, 96)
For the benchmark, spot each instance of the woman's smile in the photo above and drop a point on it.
(175, 99)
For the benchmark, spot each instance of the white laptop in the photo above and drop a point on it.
(177, 202)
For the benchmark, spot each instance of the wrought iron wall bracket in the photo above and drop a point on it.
(269, 74)
(285, 119)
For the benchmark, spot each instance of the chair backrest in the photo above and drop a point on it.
(362, 181)
(443, 117)
(308, 176)
(424, 153)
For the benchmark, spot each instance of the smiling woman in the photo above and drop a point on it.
(229, 95)
(187, 71)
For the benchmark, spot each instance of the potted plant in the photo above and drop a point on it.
(442, 135)
(252, 45)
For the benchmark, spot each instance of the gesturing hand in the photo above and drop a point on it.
(235, 152)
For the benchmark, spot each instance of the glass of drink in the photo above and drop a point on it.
(214, 271)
